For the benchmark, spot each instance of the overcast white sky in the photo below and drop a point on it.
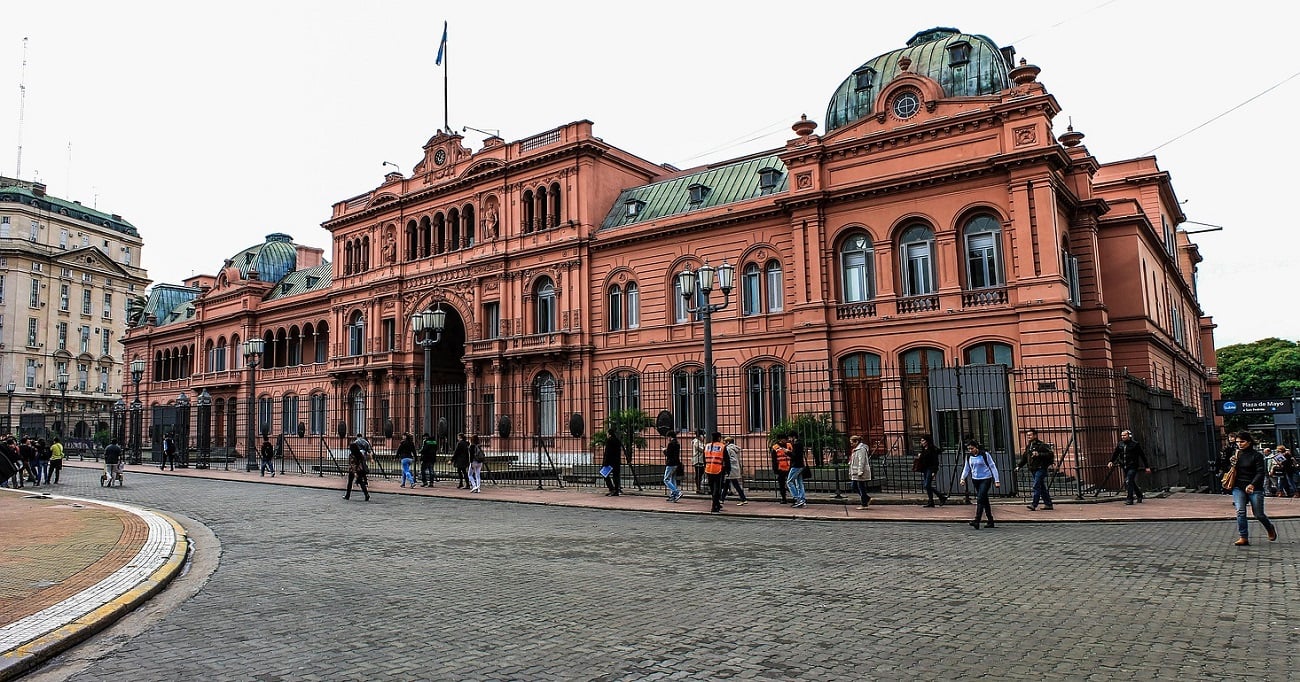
(210, 125)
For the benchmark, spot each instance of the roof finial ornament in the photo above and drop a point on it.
(803, 127)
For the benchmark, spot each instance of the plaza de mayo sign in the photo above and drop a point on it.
(1228, 408)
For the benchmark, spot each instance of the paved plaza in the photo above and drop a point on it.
(308, 586)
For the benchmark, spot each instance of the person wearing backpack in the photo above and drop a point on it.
(981, 471)
(1038, 456)
(476, 459)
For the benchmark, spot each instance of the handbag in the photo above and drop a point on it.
(1230, 478)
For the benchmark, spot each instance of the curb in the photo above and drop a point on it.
(27, 656)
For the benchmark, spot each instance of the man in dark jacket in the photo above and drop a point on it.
(1129, 455)
(1038, 456)
(460, 460)
(613, 459)
(428, 457)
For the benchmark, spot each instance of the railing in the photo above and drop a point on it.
(918, 304)
(853, 311)
(983, 297)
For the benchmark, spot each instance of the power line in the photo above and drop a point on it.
(1212, 120)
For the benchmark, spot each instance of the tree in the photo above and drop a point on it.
(816, 431)
(1268, 368)
(628, 424)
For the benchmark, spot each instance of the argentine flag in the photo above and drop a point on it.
(442, 47)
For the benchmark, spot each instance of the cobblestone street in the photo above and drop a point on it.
(312, 587)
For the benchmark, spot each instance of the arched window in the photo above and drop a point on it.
(751, 296)
(356, 334)
(917, 252)
(632, 303)
(624, 390)
(615, 308)
(984, 253)
(547, 391)
(857, 269)
(775, 286)
(990, 353)
(919, 361)
(765, 397)
(546, 313)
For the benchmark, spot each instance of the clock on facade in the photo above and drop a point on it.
(906, 105)
(440, 157)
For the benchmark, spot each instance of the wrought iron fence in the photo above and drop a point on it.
(540, 432)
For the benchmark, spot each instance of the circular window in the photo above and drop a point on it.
(906, 105)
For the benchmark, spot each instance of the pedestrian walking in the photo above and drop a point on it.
(358, 468)
(697, 461)
(927, 464)
(735, 473)
(1248, 469)
(476, 459)
(268, 457)
(1130, 456)
(794, 480)
(983, 473)
(56, 460)
(406, 455)
(428, 458)
(460, 460)
(860, 469)
(1039, 458)
(715, 468)
(672, 452)
(613, 460)
(169, 452)
(781, 467)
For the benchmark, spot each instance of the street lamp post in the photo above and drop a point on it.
(428, 326)
(63, 404)
(205, 430)
(253, 349)
(183, 427)
(704, 279)
(9, 412)
(137, 373)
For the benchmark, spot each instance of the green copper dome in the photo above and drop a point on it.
(963, 64)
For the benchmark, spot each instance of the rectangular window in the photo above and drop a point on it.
(62, 328)
(918, 269)
(31, 331)
(491, 320)
(390, 334)
(63, 297)
(34, 301)
(108, 306)
(982, 267)
(30, 381)
(85, 301)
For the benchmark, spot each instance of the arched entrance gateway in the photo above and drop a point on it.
(446, 391)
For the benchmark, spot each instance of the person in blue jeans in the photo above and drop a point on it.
(1038, 456)
(672, 463)
(794, 480)
(981, 471)
(1248, 488)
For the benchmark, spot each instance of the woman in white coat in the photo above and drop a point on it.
(860, 469)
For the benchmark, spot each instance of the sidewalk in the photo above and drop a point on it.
(72, 567)
(1158, 506)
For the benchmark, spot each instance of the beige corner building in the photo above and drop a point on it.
(69, 275)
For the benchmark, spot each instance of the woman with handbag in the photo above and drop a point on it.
(1246, 480)
(927, 464)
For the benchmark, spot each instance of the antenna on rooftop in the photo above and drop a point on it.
(22, 105)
